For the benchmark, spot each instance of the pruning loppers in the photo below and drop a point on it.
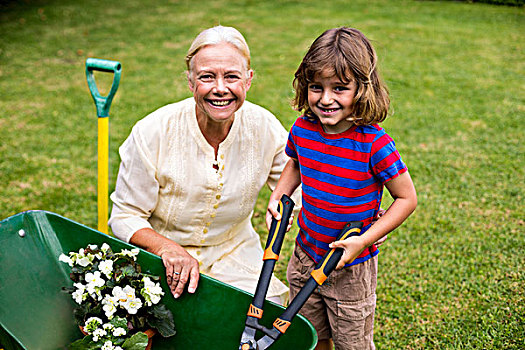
(271, 255)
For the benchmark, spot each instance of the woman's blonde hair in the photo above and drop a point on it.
(216, 35)
(350, 55)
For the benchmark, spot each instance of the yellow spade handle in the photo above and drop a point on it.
(103, 174)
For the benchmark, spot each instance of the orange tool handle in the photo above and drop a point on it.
(332, 257)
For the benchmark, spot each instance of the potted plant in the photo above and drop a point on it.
(118, 305)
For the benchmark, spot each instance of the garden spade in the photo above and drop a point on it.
(102, 104)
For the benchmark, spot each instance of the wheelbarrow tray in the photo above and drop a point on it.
(36, 314)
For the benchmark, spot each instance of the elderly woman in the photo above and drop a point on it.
(191, 172)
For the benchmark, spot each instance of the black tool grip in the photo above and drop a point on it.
(273, 248)
(278, 229)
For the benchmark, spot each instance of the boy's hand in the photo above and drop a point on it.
(352, 247)
(272, 212)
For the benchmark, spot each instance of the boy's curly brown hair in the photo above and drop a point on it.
(350, 55)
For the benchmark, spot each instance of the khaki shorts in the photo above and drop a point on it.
(343, 307)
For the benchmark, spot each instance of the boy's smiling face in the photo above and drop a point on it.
(332, 101)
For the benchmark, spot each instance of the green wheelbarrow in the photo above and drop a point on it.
(36, 314)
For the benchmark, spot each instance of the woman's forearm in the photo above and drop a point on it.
(153, 242)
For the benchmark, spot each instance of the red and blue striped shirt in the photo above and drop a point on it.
(343, 176)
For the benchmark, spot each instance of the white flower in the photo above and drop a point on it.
(120, 295)
(125, 252)
(117, 332)
(92, 324)
(133, 305)
(105, 247)
(127, 299)
(79, 295)
(66, 259)
(98, 333)
(131, 253)
(129, 291)
(108, 346)
(81, 258)
(118, 292)
(152, 291)
(110, 305)
(106, 267)
(94, 283)
(83, 261)
(93, 246)
(108, 326)
(94, 279)
(93, 320)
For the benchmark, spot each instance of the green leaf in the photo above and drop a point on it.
(162, 320)
(119, 322)
(138, 341)
(111, 283)
(138, 322)
(129, 271)
(81, 312)
(85, 343)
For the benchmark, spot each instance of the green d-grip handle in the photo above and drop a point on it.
(102, 103)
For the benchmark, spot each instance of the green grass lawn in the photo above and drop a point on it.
(452, 277)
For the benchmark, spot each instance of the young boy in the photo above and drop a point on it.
(343, 159)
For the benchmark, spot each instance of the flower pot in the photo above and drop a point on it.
(149, 332)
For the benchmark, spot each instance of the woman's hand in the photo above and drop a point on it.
(181, 269)
(272, 213)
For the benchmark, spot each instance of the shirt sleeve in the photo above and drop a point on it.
(385, 161)
(137, 188)
(290, 145)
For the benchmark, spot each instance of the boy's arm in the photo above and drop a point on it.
(402, 190)
(290, 179)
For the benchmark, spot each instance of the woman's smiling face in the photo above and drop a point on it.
(219, 80)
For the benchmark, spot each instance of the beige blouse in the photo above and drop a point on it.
(167, 181)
